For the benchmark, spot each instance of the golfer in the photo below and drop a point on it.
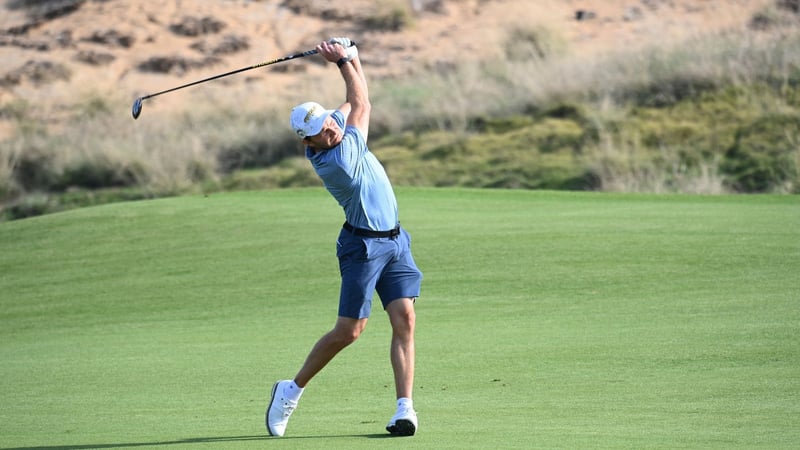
(374, 251)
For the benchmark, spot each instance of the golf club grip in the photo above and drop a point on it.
(285, 58)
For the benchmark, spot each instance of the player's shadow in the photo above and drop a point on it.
(202, 440)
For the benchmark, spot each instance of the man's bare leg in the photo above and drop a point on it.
(344, 333)
(403, 318)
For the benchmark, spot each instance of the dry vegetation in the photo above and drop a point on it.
(641, 95)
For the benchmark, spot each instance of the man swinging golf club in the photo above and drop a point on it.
(374, 251)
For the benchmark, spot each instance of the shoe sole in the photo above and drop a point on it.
(402, 427)
(266, 415)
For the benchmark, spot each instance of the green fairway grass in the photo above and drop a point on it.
(547, 320)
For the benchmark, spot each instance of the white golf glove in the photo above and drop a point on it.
(351, 49)
(352, 52)
(343, 41)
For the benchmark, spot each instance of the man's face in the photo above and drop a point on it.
(330, 136)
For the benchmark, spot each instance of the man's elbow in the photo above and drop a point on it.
(362, 105)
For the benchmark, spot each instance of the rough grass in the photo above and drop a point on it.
(584, 319)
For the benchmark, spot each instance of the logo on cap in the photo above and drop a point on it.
(309, 114)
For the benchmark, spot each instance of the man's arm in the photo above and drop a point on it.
(357, 93)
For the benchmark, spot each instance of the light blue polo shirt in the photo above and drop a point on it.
(357, 180)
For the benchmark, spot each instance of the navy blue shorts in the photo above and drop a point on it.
(368, 265)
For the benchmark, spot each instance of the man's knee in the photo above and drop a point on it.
(402, 315)
(348, 330)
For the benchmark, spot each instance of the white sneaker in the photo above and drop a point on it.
(403, 423)
(279, 409)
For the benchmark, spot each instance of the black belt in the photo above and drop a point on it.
(393, 233)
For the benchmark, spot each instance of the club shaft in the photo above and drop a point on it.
(255, 66)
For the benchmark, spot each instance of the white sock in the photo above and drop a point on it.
(293, 391)
(405, 403)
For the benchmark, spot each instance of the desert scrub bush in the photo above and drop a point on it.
(488, 124)
(656, 76)
(255, 141)
(677, 147)
(96, 149)
(539, 155)
(31, 205)
(533, 43)
(38, 203)
(457, 97)
(92, 106)
(389, 15)
(781, 13)
(34, 167)
(26, 163)
(8, 161)
(23, 117)
(289, 173)
(744, 137)
(764, 156)
(98, 172)
(402, 105)
(14, 110)
(619, 162)
(45, 9)
(544, 155)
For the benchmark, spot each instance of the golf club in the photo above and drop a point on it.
(137, 104)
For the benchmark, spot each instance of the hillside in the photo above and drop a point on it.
(56, 52)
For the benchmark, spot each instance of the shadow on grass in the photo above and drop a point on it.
(202, 440)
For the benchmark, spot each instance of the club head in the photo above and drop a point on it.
(137, 108)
